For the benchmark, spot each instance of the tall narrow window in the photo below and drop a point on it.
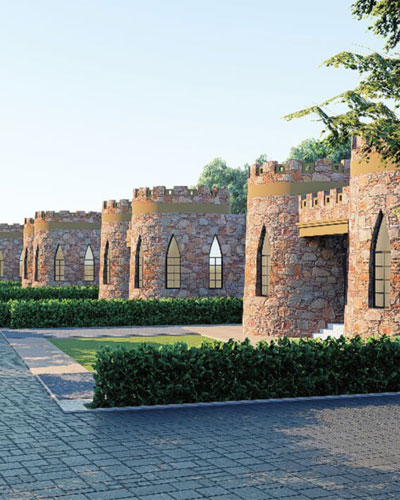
(139, 264)
(215, 264)
(21, 265)
(106, 265)
(37, 264)
(26, 264)
(263, 265)
(173, 267)
(381, 265)
(88, 265)
(1, 265)
(59, 264)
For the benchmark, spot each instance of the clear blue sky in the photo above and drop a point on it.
(100, 96)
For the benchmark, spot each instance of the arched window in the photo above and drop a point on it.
(59, 264)
(37, 264)
(263, 265)
(106, 265)
(381, 264)
(26, 264)
(215, 264)
(173, 265)
(139, 264)
(21, 264)
(1, 265)
(88, 265)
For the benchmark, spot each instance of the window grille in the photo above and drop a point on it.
(263, 265)
(139, 264)
(106, 265)
(382, 266)
(173, 265)
(215, 264)
(88, 265)
(36, 278)
(59, 265)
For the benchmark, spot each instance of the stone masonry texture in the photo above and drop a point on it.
(11, 242)
(371, 194)
(116, 216)
(73, 231)
(194, 233)
(332, 449)
(307, 278)
(27, 255)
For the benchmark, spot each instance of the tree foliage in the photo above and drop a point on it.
(387, 18)
(218, 174)
(372, 107)
(311, 150)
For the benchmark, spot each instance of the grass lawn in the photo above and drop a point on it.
(83, 350)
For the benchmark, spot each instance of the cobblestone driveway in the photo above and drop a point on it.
(334, 449)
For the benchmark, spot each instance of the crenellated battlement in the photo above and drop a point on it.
(11, 228)
(324, 212)
(67, 216)
(113, 206)
(297, 171)
(182, 194)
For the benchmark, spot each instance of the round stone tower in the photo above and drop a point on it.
(65, 248)
(373, 300)
(11, 241)
(185, 243)
(293, 284)
(114, 251)
(27, 252)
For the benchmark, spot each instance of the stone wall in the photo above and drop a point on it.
(27, 256)
(193, 217)
(116, 216)
(11, 242)
(374, 188)
(307, 276)
(324, 206)
(73, 231)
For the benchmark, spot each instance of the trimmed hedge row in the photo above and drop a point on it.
(147, 375)
(88, 312)
(15, 292)
(10, 284)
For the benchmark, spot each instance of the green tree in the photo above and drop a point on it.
(372, 107)
(218, 174)
(310, 150)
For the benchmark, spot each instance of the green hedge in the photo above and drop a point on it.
(10, 284)
(15, 292)
(87, 312)
(147, 375)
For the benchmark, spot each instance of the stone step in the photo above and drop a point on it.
(334, 330)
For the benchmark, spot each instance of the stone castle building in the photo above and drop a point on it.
(293, 284)
(61, 248)
(185, 243)
(11, 236)
(322, 246)
(114, 250)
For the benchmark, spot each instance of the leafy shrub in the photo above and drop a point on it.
(87, 312)
(5, 314)
(16, 292)
(10, 284)
(148, 375)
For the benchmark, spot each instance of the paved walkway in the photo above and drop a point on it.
(219, 332)
(326, 449)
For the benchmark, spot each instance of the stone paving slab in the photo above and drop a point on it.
(321, 449)
(42, 357)
(69, 385)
